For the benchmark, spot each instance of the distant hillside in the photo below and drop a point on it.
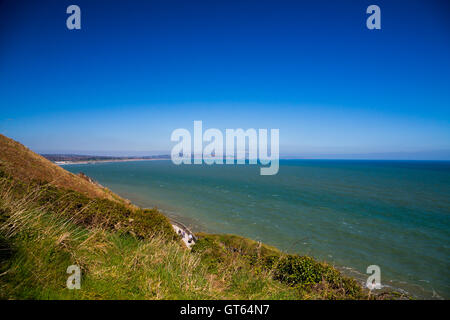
(84, 158)
(76, 157)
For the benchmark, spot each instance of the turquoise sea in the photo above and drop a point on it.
(394, 214)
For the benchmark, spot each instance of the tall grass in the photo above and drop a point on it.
(42, 241)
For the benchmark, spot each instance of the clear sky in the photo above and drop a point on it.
(137, 70)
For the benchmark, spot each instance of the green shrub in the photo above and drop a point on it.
(304, 272)
(145, 222)
(294, 270)
(211, 253)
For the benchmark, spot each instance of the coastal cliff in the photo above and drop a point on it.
(51, 219)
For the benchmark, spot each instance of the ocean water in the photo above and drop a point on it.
(394, 214)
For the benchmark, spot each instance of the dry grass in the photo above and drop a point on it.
(25, 165)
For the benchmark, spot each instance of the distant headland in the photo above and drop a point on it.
(62, 159)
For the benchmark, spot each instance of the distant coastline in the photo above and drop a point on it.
(67, 159)
(61, 163)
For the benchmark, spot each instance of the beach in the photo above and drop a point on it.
(62, 163)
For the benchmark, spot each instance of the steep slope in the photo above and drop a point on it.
(25, 165)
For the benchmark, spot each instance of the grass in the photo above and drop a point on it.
(24, 164)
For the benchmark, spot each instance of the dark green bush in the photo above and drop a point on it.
(150, 221)
(304, 271)
(294, 270)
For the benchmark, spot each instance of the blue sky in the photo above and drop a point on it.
(137, 70)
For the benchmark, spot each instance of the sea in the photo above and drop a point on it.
(350, 213)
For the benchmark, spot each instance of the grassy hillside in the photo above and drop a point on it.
(50, 219)
(25, 165)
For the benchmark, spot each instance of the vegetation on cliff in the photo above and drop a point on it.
(51, 219)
